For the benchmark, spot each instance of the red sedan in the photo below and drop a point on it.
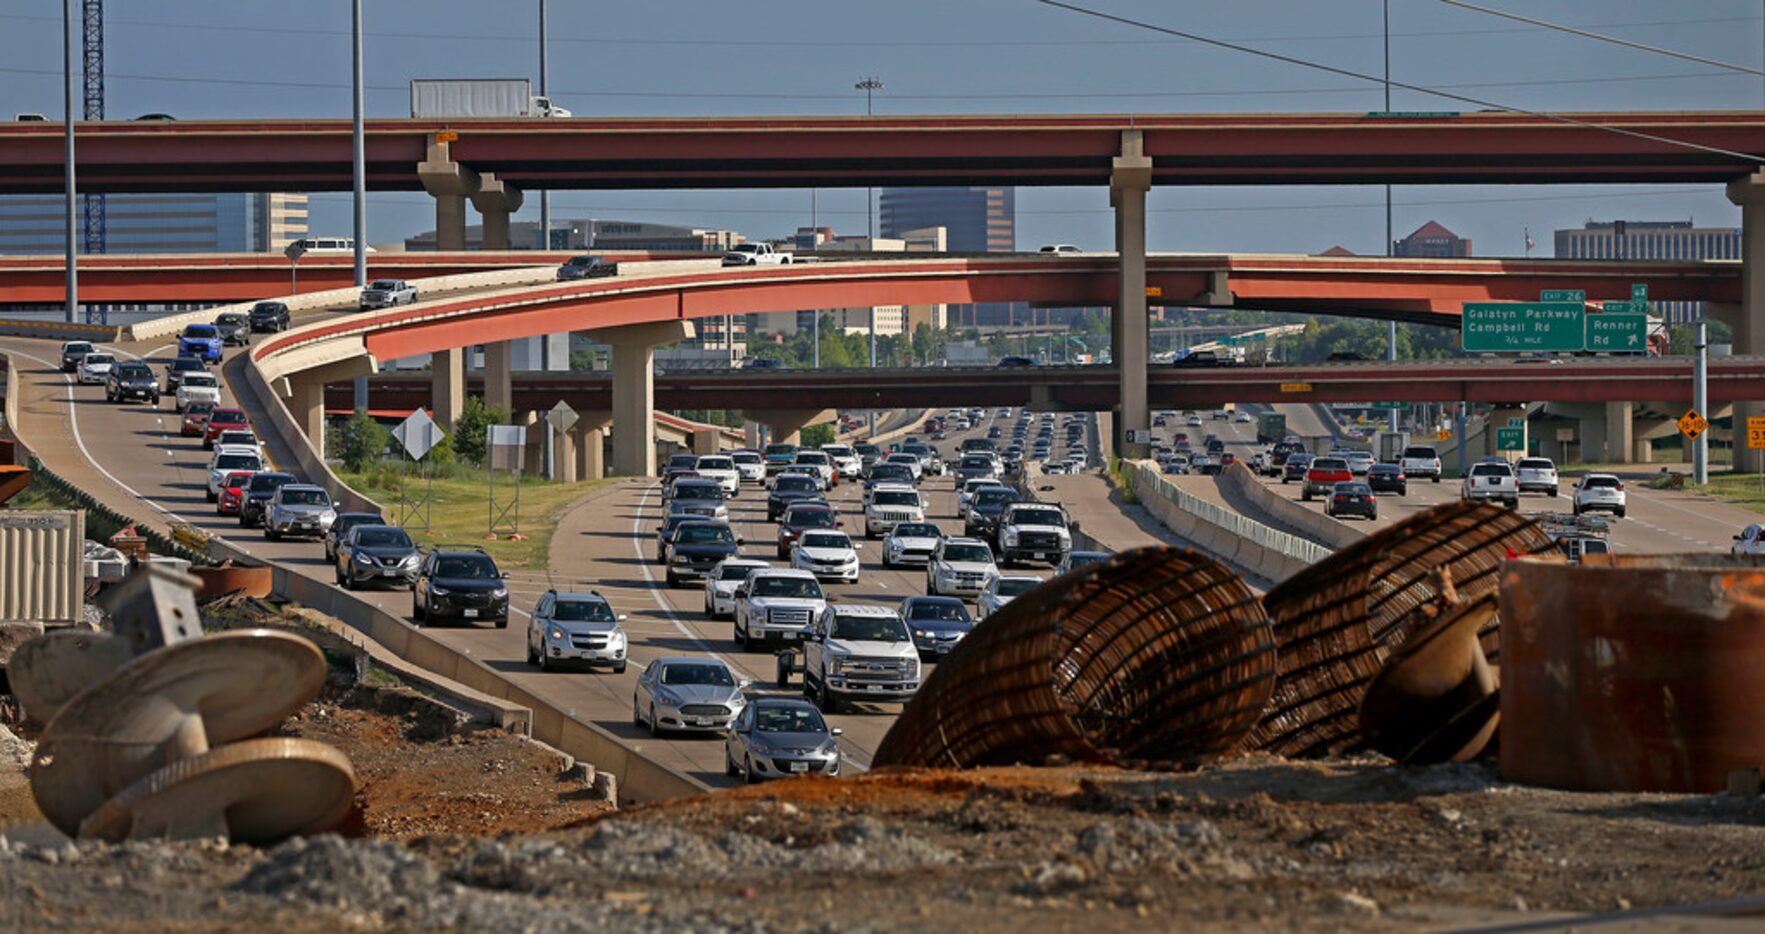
(232, 491)
(223, 420)
(196, 419)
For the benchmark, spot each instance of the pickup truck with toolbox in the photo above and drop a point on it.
(1493, 480)
(756, 254)
(1420, 460)
(385, 293)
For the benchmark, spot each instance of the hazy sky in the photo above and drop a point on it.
(210, 59)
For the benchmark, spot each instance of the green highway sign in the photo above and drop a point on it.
(1618, 333)
(1394, 406)
(1624, 308)
(1563, 295)
(1639, 292)
(1509, 326)
(1510, 439)
(1516, 421)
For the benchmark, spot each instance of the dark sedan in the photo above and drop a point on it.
(937, 623)
(1388, 478)
(696, 547)
(586, 267)
(1295, 468)
(787, 490)
(1352, 499)
(801, 518)
(257, 495)
(342, 524)
(985, 508)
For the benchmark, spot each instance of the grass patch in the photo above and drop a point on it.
(40, 495)
(1740, 489)
(459, 512)
(1123, 477)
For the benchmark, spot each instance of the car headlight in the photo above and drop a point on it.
(667, 697)
(362, 558)
(759, 744)
(829, 747)
(438, 590)
(557, 633)
(499, 591)
(329, 515)
(408, 560)
(920, 633)
(837, 664)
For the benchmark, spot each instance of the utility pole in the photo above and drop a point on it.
(870, 85)
(1390, 244)
(1700, 400)
(359, 145)
(67, 119)
(545, 197)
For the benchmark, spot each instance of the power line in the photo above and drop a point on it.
(1349, 73)
(1604, 38)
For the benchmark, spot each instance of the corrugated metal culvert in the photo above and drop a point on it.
(42, 571)
(1156, 655)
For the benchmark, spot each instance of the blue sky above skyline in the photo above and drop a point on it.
(207, 59)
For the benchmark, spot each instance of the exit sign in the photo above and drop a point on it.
(1510, 326)
(1563, 295)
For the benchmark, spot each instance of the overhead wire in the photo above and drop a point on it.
(1600, 37)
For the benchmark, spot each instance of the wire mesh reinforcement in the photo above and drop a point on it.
(1158, 654)
(1337, 621)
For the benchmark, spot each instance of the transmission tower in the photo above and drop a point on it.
(93, 33)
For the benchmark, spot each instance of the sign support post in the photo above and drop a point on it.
(1700, 400)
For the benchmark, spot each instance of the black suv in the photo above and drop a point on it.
(131, 381)
(460, 583)
(269, 316)
(258, 491)
(234, 328)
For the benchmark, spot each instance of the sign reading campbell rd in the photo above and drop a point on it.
(1510, 326)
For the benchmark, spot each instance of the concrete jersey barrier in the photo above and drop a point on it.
(1268, 552)
(1284, 513)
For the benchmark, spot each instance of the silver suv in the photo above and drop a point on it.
(299, 509)
(576, 628)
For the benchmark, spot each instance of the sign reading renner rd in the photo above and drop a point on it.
(1616, 333)
(1493, 327)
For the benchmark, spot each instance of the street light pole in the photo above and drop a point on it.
(1700, 400)
(870, 85)
(359, 144)
(67, 133)
(545, 197)
(1390, 245)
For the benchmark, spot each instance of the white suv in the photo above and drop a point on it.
(1420, 460)
(849, 464)
(960, 567)
(889, 504)
(1492, 479)
(776, 603)
(1600, 491)
(721, 468)
(1537, 475)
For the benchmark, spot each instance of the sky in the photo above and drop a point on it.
(207, 59)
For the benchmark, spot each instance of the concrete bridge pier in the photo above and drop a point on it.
(1129, 180)
(634, 390)
(1748, 321)
(450, 184)
(447, 382)
(499, 390)
(304, 394)
(496, 199)
(787, 425)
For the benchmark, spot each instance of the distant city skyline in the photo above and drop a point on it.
(206, 59)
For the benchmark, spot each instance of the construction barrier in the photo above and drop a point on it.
(56, 330)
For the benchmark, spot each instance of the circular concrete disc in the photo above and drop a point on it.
(259, 791)
(49, 670)
(237, 684)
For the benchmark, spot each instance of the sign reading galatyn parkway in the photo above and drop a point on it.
(1494, 327)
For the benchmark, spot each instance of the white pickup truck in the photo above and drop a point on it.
(756, 254)
(1420, 460)
(1494, 480)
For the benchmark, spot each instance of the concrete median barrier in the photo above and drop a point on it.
(1257, 548)
(1282, 512)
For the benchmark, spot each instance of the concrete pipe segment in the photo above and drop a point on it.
(1633, 673)
(1156, 655)
(1337, 622)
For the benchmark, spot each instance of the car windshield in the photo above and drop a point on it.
(236, 437)
(869, 628)
(1536, 463)
(734, 572)
(1354, 489)
(895, 498)
(238, 462)
(918, 450)
(133, 369)
(683, 460)
(187, 364)
(238, 478)
(1329, 463)
(993, 496)
(781, 449)
(891, 472)
(978, 553)
(1491, 470)
(1079, 559)
(745, 458)
(781, 586)
(716, 463)
(916, 530)
(383, 538)
(698, 491)
(703, 533)
(99, 359)
(305, 498)
(268, 308)
(1418, 452)
(794, 483)
(467, 567)
(226, 417)
(76, 347)
(199, 408)
(384, 284)
(1012, 586)
(778, 718)
(810, 518)
(1038, 517)
(583, 611)
(951, 611)
(837, 450)
(1608, 482)
(868, 450)
(230, 319)
(825, 540)
(267, 482)
(584, 260)
(200, 331)
(715, 675)
(199, 381)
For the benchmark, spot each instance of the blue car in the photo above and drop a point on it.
(202, 341)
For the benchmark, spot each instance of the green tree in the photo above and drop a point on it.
(442, 454)
(468, 435)
(364, 441)
(818, 435)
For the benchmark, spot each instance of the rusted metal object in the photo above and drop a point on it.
(252, 581)
(13, 480)
(1633, 672)
(1435, 700)
(1338, 621)
(1158, 654)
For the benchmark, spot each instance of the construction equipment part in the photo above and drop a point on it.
(13, 480)
(1156, 655)
(1633, 672)
(1435, 699)
(1336, 622)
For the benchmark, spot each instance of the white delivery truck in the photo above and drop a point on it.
(479, 97)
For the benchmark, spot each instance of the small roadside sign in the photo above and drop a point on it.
(1510, 439)
(1139, 436)
(1443, 435)
(1565, 434)
(1756, 433)
(418, 434)
(1639, 292)
(1516, 421)
(1693, 423)
(561, 416)
(1296, 387)
(1563, 295)
(1155, 291)
(447, 136)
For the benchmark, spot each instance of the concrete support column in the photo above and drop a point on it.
(1620, 446)
(707, 441)
(447, 375)
(588, 440)
(499, 390)
(634, 390)
(450, 184)
(1748, 321)
(787, 425)
(303, 392)
(1129, 180)
(496, 199)
(533, 456)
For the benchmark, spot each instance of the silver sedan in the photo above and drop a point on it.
(691, 695)
(778, 737)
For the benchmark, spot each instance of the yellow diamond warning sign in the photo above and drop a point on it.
(1692, 424)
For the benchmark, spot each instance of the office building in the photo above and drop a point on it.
(978, 220)
(1432, 241)
(161, 223)
(1670, 240)
(590, 234)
